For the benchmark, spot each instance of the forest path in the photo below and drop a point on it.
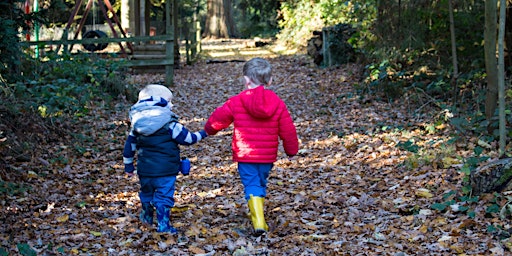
(350, 190)
(240, 49)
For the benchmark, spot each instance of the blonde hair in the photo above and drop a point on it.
(258, 70)
(155, 90)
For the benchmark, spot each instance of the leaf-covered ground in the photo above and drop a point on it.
(353, 189)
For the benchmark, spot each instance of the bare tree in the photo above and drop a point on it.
(490, 57)
(501, 76)
(454, 53)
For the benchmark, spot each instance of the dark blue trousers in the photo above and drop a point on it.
(158, 191)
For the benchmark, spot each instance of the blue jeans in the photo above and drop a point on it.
(159, 191)
(254, 178)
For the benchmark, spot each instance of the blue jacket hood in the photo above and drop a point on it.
(149, 115)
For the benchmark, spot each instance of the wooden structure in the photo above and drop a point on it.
(168, 38)
(330, 46)
(188, 24)
(83, 19)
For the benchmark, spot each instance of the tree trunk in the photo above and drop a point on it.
(125, 15)
(508, 37)
(454, 55)
(219, 19)
(501, 77)
(490, 58)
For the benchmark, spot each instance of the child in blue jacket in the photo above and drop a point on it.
(155, 135)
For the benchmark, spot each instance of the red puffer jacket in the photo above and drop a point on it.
(260, 118)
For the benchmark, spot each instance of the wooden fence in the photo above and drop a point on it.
(166, 59)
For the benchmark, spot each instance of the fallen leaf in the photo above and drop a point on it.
(95, 233)
(422, 192)
(63, 218)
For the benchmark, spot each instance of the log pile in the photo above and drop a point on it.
(330, 46)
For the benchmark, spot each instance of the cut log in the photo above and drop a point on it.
(314, 49)
(211, 61)
(493, 177)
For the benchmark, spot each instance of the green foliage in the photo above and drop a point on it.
(26, 250)
(409, 146)
(436, 153)
(65, 85)
(59, 10)
(299, 21)
(337, 41)
(11, 18)
(461, 203)
(418, 40)
(470, 165)
(257, 18)
(301, 18)
(456, 203)
(409, 48)
(13, 23)
(11, 189)
(385, 78)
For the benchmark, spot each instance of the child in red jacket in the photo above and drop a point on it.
(260, 119)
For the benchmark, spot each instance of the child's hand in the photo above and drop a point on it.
(129, 169)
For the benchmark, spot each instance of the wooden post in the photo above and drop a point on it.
(187, 43)
(325, 47)
(147, 18)
(136, 9)
(196, 37)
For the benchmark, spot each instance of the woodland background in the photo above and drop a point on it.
(389, 140)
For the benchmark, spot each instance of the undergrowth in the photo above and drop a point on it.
(53, 91)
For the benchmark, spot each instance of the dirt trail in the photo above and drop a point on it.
(348, 192)
(240, 49)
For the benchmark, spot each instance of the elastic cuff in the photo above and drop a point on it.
(127, 160)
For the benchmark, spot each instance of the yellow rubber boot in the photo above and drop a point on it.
(257, 215)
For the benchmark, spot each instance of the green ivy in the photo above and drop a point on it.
(65, 85)
(26, 250)
(11, 189)
(458, 203)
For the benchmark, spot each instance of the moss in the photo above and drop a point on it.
(506, 176)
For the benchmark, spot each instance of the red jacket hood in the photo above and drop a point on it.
(259, 102)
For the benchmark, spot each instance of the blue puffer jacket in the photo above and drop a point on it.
(158, 154)
(155, 136)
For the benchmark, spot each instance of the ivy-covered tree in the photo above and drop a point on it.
(14, 24)
(12, 18)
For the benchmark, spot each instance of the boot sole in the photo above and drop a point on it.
(259, 232)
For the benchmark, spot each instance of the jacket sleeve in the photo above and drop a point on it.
(130, 147)
(220, 119)
(288, 133)
(183, 136)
